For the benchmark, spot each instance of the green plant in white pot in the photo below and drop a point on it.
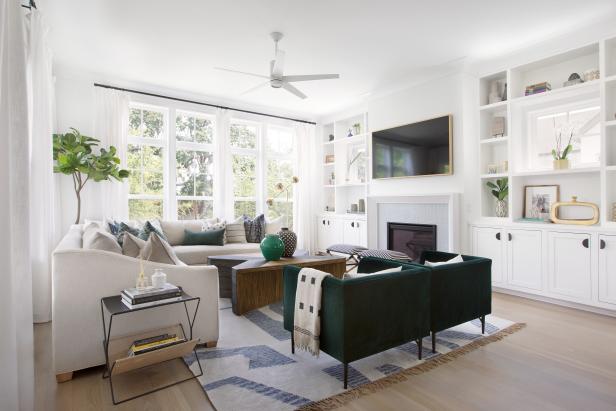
(500, 191)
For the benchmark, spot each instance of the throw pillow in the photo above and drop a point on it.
(158, 250)
(221, 225)
(456, 259)
(99, 239)
(151, 227)
(125, 228)
(132, 245)
(255, 228)
(274, 226)
(209, 237)
(361, 275)
(235, 232)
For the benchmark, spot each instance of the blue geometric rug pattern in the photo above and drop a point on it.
(252, 367)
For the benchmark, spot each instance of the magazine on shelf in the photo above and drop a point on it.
(132, 306)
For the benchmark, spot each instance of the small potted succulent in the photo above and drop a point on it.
(500, 191)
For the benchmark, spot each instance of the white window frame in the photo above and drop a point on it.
(160, 142)
(268, 155)
(257, 153)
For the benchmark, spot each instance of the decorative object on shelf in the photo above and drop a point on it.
(332, 179)
(614, 212)
(73, 155)
(288, 237)
(500, 191)
(492, 169)
(495, 95)
(592, 74)
(505, 93)
(361, 206)
(574, 79)
(354, 208)
(505, 166)
(159, 278)
(357, 156)
(272, 247)
(350, 133)
(331, 137)
(560, 153)
(142, 281)
(537, 88)
(577, 221)
(498, 126)
(330, 158)
(357, 128)
(538, 200)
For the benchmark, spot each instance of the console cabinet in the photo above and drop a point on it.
(333, 229)
(569, 265)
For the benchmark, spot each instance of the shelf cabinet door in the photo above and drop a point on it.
(569, 265)
(607, 269)
(488, 242)
(334, 230)
(524, 258)
(324, 236)
(362, 227)
(350, 232)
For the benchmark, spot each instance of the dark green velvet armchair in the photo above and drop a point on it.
(364, 316)
(460, 292)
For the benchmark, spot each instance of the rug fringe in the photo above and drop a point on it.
(340, 399)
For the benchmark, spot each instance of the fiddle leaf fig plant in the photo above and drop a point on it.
(74, 155)
(500, 190)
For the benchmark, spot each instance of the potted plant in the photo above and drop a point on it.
(500, 191)
(560, 153)
(74, 156)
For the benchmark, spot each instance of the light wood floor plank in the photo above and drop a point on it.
(564, 359)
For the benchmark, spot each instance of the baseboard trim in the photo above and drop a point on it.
(555, 301)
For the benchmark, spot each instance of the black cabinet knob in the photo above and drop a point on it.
(509, 236)
(602, 244)
(585, 243)
(498, 236)
(352, 224)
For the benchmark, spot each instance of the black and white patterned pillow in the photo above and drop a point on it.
(255, 228)
(221, 225)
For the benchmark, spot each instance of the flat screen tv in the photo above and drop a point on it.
(417, 149)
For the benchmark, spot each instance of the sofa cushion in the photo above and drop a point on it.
(235, 232)
(174, 230)
(158, 250)
(198, 254)
(207, 237)
(125, 228)
(255, 228)
(99, 239)
(220, 225)
(150, 227)
(132, 245)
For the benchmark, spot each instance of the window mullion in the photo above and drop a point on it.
(171, 172)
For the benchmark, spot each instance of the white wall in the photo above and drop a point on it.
(442, 96)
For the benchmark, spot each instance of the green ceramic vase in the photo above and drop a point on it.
(272, 247)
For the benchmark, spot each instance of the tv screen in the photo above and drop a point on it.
(417, 149)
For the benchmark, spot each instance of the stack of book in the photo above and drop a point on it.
(538, 88)
(153, 343)
(137, 298)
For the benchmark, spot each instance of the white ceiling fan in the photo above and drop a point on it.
(276, 79)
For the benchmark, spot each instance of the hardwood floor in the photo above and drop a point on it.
(564, 359)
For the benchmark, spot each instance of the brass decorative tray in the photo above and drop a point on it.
(576, 221)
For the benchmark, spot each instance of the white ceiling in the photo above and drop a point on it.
(374, 45)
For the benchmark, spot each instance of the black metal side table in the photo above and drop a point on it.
(118, 361)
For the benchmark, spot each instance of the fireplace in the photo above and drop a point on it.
(411, 239)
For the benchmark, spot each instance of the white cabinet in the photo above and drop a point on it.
(607, 269)
(524, 258)
(487, 242)
(569, 265)
(354, 232)
(340, 230)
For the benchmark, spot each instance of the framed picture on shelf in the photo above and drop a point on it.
(538, 200)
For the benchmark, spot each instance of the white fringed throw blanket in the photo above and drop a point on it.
(307, 323)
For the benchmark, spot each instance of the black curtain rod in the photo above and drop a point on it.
(201, 103)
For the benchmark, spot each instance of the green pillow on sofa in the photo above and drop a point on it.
(211, 237)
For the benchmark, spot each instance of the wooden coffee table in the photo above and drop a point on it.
(256, 282)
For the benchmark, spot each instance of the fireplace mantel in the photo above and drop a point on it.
(438, 209)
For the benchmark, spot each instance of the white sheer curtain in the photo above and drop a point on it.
(305, 195)
(43, 235)
(16, 344)
(109, 198)
(223, 193)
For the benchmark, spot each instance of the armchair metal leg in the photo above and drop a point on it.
(292, 343)
(419, 348)
(433, 341)
(483, 324)
(346, 374)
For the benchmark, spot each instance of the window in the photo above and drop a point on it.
(280, 168)
(581, 121)
(194, 158)
(145, 162)
(244, 143)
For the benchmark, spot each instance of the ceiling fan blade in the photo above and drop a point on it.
(278, 66)
(310, 77)
(241, 72)
(293, 90)
(258, 86)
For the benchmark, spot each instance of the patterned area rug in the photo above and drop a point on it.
(253, 368)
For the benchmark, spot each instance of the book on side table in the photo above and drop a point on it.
(149, 296)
